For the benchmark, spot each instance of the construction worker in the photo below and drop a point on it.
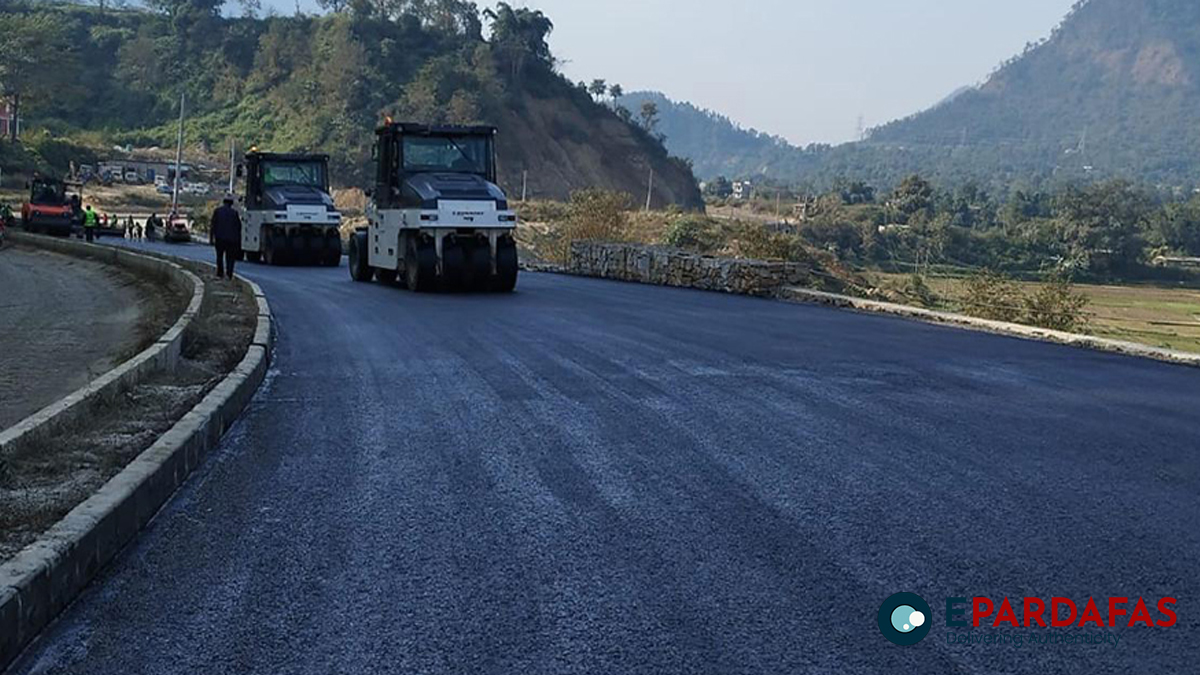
(225, 234)
(90, 222)
(6, 221)
(152, 224)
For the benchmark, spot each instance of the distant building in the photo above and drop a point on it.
(1169, 261)
(743, 190)
(7, 121)
(147, 168)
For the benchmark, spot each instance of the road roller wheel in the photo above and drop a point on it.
(478, 265)
(420, 266)
(453, 265)
(506, 266)
(360, 266)
(269, 254)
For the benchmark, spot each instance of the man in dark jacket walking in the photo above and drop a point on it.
(226, 235)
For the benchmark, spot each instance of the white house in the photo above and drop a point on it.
(6, 119)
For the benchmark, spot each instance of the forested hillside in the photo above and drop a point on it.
(1113, 92)
(716, 145)
(322, 83)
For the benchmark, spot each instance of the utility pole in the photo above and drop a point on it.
(524, 185)
(232, 168)
(650, 190)
(178, 158)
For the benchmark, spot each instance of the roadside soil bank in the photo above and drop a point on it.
(41, 484)
(65, 321)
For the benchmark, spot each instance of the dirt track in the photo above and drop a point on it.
(63, 321)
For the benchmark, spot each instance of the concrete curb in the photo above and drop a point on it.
(804, 295)
(47, 575)
(162, 355)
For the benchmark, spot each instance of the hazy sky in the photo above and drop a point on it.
(802, 69)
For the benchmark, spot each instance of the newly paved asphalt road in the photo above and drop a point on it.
(598, 477)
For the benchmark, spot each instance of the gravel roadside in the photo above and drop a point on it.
(63, 322)
(41, 483)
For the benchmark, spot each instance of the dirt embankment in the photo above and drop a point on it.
(40, 484)
(564, 145)
(63, 322)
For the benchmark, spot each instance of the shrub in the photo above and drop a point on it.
(202, 216)
(1056, 305)
(753, 240)
(691, 232)
(540, 211)
(916, 289)
(991, 295)
(599, 215)
(592, 215)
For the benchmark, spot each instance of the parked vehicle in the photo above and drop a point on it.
(195, 189)
(178, 229)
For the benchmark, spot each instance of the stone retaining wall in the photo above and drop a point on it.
(666, 266)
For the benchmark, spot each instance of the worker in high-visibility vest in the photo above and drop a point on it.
(90, 222)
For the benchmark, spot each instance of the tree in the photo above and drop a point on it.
(37, 58)
(519, 35)
(616, 91)
(855, 192)
(1176, 229)
(719, 187)
(1101, 225)
(912, 196)
(451, 17)
(250, 8)
(178, 8)
(336, 6)
(649, 115)
(598, 88)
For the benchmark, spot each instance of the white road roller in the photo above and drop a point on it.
(436, 219)
(288, 216)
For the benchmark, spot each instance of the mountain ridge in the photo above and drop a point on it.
(323, 83)
(715, 144)
(1112, 92)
